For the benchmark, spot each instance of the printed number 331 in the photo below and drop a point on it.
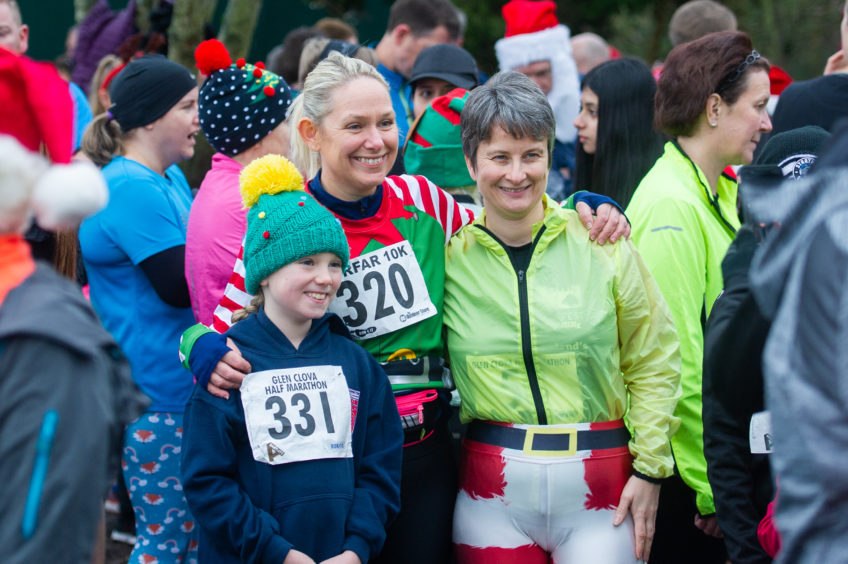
(306, 426)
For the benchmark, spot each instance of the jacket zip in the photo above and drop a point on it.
(524, 316)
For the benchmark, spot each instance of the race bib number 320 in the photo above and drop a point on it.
(383, 291)
(297, 414)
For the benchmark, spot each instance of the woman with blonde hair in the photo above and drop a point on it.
(344, 137)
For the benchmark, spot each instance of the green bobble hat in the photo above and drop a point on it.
(284, 223)
(434, 146)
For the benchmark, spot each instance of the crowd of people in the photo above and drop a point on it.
(583, 310)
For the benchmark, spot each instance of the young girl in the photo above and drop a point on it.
(302, 463)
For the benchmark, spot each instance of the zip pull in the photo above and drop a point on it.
(420, 414)
(521, 276)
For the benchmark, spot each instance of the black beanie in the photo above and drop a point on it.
(789, 154)
(146, 89)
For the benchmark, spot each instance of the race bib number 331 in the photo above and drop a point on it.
(383, 291)
(297, 414)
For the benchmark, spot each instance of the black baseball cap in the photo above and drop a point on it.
(448, 62)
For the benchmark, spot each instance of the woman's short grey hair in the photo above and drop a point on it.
(512, 102)
(315, 102)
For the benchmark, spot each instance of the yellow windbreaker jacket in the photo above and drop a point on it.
(572, 339)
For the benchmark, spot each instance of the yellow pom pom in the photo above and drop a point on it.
(270, 174)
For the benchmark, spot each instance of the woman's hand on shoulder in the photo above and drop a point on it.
(346, 557)
(297, 557)
(640, 497)
(608, 224)
(228, 374)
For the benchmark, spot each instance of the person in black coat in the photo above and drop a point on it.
(734, 338)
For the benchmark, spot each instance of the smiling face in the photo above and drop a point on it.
(302, 290)
(427, 90)
(586, 121)
(357, 139)
(745, 121)
(174, 132)
(511, 175)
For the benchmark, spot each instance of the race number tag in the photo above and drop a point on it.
(759, 433)
(383, 291)
(297, 414)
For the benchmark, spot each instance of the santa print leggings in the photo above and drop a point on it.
(151, 462)
(514, 508)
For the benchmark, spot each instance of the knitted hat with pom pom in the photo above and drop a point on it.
(284, 223)
(239, 103)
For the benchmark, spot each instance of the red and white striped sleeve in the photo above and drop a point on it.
(235, 297)
(432, 200)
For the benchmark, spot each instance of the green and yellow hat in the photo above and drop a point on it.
(284, 223)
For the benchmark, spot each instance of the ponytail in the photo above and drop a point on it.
(102, 140)
(305, 159)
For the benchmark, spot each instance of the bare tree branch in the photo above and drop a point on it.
(186, 31)
(238, 26)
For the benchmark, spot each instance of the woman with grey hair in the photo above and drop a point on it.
(344, 138)
(573, 334)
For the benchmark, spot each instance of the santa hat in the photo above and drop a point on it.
(779, 79)
(533, 33)
(35, 106)
(60, 196)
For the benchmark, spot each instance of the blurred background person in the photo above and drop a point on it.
(434, 149)
(284, 60)
(334, 28)
(316, 49)
(616, 140)
(413, 26)
(98, 91)
(438, 70)
(589, 50)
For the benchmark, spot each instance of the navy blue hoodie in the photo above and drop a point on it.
(249, 511)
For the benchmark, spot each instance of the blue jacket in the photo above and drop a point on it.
(249, 511)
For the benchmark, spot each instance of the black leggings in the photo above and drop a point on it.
(677, 539)
(421, 534)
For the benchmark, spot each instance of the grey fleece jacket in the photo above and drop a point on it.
(58, 366)
(800, 281)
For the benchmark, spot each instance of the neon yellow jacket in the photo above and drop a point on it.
(682, 233)
(587, 322)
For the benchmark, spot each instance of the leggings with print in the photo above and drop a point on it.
(515, 508)
(165, 529)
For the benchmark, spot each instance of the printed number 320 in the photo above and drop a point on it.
(306, 426)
